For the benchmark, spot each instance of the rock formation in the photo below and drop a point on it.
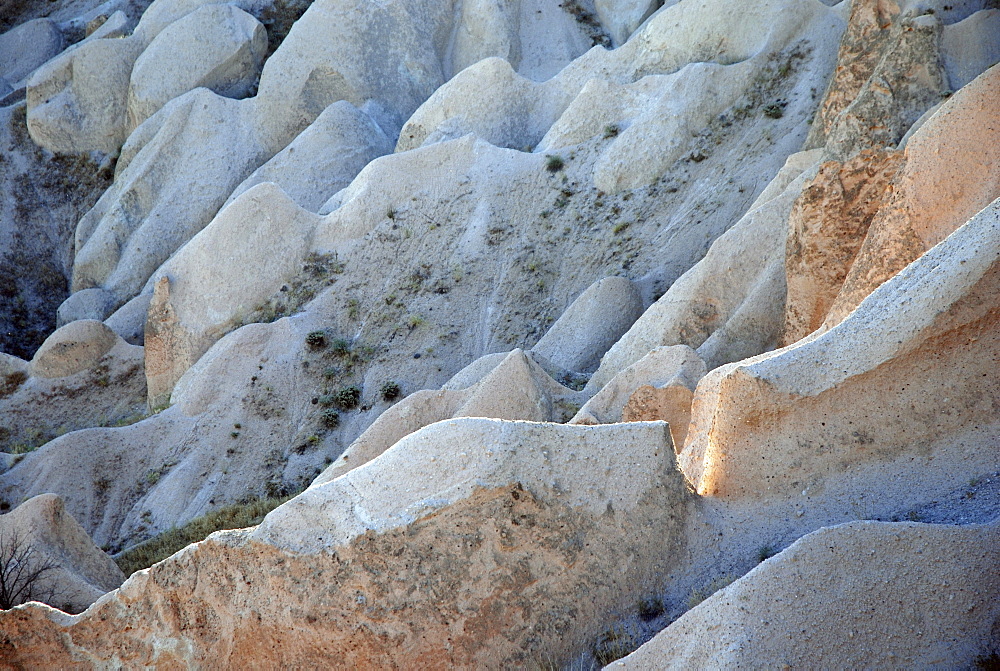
(543, 334)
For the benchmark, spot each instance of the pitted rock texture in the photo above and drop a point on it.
(865, 594)
(502, 574)
(826, 228)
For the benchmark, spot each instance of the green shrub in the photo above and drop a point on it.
(316, 339)
(341, 347)
(330, 418)
(389, 390)
(774, 111)
(348, 397)
(554, 163)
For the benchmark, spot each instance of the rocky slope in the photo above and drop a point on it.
(563, 316)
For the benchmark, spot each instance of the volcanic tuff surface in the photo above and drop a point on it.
(544, 323)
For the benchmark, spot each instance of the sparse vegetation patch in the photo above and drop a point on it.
(167, 543)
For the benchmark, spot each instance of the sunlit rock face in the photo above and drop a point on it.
(514, 331)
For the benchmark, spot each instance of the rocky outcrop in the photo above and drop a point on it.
(950, 174)
(658, 386)
(730, 305)
(44, 553)
(25, 48)
(513, 388)
(777, 418)
(211, 293)
(73, 348)
(323, 158)
(780, 340)
(453, 569)
(220, 47)
(889, 72)
(591, 325)
(860, 594)
(826, 228)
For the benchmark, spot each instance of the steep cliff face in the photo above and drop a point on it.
(549, 319)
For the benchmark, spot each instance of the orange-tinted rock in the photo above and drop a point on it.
(952, 172)
(902, 392)
(503, 575)
(671, 404)
(860, 50)
(888, 74)
(166, 344)
(825, 231)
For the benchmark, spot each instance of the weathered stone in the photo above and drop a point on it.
(129, 321)
(591, 324)
(779, 418)
(666, 378)
(141, 220)
(730, 305)
(971, 46)
(81, 572)
(671, 404)
(863, 594)
(28, 46)
(904, 78)
(324, 158)
(860, 51)
(216, 46)
(202, 292)
(515, 388)
(826, 228)
(77, 101)
(952, 171)
(93, 303)
(506, 524)
(75, 347)
(621, 18)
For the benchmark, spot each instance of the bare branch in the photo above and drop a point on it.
(23, 571)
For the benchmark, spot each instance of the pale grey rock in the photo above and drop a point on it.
(515, 388)
(621, 17)
(971, 46)
(93, 303)
(324, 158)
(76, 346)
(538, 39)
(415, 477)
(226, 271)
(591, 324)
(730, 305)
(77, 101)
(173, 175)
(648, 98)
(12, 364)
(217, 46)
(489, 99)
(925, 592)
(328, 56)
(27, 47)
(129, 321)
